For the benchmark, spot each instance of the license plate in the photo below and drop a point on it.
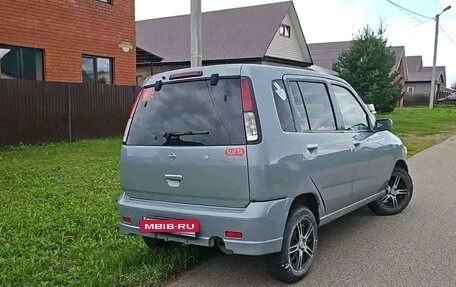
(182, 227)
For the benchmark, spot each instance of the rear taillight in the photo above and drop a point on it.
(133, 109)
(248, 107)
(251, 130)
(247, 97)
(132, 113)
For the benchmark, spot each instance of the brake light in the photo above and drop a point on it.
(248, 106)
(186, 75)
(132, 113)
(133, 109)
(246, 92)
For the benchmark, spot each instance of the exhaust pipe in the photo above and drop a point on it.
(221, 245)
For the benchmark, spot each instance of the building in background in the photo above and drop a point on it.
(326, 54)
(418, 85)
(89, 41)
(264, 34)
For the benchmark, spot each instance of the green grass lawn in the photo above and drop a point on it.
(420, 127)
(58, 221)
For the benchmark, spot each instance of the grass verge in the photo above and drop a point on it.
(420, 127)
(58, 221)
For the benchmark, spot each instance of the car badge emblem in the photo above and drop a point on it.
(172, 156)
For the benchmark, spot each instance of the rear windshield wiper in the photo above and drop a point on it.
(169, 135)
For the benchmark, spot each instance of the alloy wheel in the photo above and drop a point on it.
(396, 192)
(302, 245)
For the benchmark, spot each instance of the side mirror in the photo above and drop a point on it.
(384, 125)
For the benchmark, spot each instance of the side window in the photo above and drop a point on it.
(353, 115)
(300, 108)
(318, 106)
(283, 107)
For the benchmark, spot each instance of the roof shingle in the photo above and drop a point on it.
(238, 33)
(422, 76)
(438, 69)
(414, 63)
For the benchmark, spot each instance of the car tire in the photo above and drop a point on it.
(399, 193)
(294, 260)
(156, 244)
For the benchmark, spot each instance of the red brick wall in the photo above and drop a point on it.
(66, 29)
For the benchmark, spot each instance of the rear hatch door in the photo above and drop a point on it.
(187, 143)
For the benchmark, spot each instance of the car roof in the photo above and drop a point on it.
(236, 68)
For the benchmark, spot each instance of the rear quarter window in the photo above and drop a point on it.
(282, 103)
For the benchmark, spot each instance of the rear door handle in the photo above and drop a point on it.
(312, 146)
(356, 143)
(176, 177)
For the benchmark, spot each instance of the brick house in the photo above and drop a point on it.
(88, 41)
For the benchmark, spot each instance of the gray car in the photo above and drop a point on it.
(260, 157)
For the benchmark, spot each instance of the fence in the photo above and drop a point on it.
(416, 99)
(35, 112)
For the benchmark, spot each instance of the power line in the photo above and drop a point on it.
(405, 10)
(449, 37)
(411, 15)
(422, 22)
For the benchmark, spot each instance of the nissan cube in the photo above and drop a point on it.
(259, 157)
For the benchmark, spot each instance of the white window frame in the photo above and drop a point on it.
(411, 90)
(285, 30)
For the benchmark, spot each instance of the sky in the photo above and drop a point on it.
(339, 20)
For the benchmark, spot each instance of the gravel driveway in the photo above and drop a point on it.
(415, 248)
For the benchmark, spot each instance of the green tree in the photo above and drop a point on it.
(453, 85)
(367, 66)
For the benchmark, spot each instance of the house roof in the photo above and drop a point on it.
(438, 69)
(239, 33)
(145, 57)
(423, 76)
(325, 54)
(414, 63)
(399, 53)
(418, 73)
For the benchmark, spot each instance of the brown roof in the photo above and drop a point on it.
(423, 76)
(438, 69)
(239, 33)
(414, 63)
(325, 54)
(399, 53)
(418, 73)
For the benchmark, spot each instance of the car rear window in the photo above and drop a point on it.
(192, 106)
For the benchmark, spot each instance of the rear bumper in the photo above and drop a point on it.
(261, 223)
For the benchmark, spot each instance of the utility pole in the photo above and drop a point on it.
(432, 95)
(196, 33)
